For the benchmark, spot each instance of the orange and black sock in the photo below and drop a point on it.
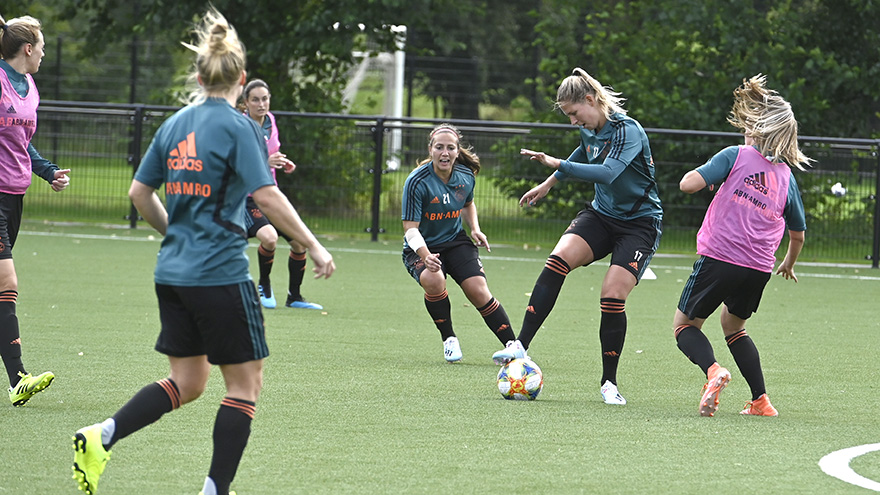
(232, 428)
(496, 319)
(296, 267)
(441, 312)
(748, 361)
(612, 332)
(10, 339)
(265, 260)
(694, 344)
(145, 408)
(543, 298)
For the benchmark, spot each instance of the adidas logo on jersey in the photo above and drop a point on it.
(758, 182)
(435, 200)
(184, 156)
(11, 109)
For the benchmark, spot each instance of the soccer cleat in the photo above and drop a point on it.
(298, 303)
(29, 386)
(718, 379)
(89, 458)
(267, 302)
(610, 394)
(451, 350)
(760, 407)
(513, 350)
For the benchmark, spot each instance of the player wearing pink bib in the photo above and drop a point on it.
(21, 46)
(757, 201)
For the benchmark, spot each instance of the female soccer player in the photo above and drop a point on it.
(758, 199)
(623, 220)
(22, 48)
(436, 196)
(256, 99)
(210, 157)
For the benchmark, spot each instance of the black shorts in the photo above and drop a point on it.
(459, 257)
(254, 220)
(10, 222)
(225, 322)
(631, 243)
(714, 282)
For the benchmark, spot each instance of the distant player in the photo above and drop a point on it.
(256, 100)
(22, 48)
(758, 199)
(623, 220)
(209, 158)
(437, 195)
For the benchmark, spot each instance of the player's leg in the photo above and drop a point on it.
(232, 426)
(633, 244)
(436, 301)
(268, 237)
(258, 226)
(743, 349)
(296, 267)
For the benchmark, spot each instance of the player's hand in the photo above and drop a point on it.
(432, 262)
(541, 157)
(481, 240)
(324, 266)
(280, 160)
(787, 271)
(534, 194)
(62, 180)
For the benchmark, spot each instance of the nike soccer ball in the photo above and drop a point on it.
(520, 379)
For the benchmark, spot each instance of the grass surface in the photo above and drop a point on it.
(358, 398)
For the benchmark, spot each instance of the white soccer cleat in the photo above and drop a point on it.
(610, 394)
(451, 350)
(513, 350)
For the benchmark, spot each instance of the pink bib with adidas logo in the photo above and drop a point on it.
(744, 223)
(18, 122)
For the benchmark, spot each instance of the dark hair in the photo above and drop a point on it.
(466, 155)
(253, 84)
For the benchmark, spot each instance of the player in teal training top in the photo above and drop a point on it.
(757, 202)
(436, 196)
(209, 157)
(623, 220)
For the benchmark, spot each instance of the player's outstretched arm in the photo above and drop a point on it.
(283, 216)
(148, 204)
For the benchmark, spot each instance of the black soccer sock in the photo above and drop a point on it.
(231, 431)
(266, 259)
(543, 298)
(612, 332)
(145, 408)
(496, 319)
(748, 361)
(441, 312)
(694, 344)
(296, 266)
(10, 339)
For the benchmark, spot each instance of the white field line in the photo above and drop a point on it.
(837, 464)
(656, 265)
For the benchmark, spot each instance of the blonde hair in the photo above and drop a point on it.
(17, 33)
(576, 87)
(466, 156)
(220, 57)
(763, 115)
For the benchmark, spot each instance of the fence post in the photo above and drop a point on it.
(378, 166)
(134, 154)
(875, 255)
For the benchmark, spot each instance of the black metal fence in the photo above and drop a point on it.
(351, 169)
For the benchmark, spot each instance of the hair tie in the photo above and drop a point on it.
(5, 27)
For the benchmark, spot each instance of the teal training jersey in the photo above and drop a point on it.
(210, 157)
(437, 205)
(617, 160)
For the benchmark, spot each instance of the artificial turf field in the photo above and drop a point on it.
(358, 398)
